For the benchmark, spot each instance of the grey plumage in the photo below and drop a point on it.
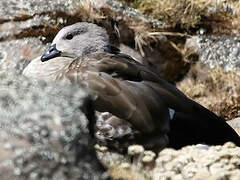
(87, 42)
(128, 90)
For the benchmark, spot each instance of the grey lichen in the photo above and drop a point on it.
(218, 51)
(44, 133)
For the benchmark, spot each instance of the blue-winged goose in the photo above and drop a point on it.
(137, 98)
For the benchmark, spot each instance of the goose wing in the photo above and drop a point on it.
(120, 93)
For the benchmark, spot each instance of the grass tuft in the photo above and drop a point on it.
(215, 89)
(190, 13)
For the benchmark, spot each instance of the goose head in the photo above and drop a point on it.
(78, 40)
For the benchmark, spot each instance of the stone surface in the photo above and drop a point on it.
(16, 54)
(44, 132)
(128, 11)
(148, 156)
(218, 51)
(14, 10)
(190, 162)
(235, 124)
(135, 150)
(25, 18)
(26, 27)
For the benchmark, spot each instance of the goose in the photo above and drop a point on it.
(133, 100)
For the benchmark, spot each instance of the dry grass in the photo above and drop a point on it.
(189, 13)
(143, 37)
(131, 30)
(88, 12)
(126, 174)
(215, 89)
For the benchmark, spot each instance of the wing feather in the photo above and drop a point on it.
(136, 102)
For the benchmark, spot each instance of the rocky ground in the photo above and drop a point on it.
(44, 131)
(27, 27)
(191, 162)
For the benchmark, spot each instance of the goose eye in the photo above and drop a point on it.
(69, 36)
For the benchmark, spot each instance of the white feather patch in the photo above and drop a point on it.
(171, 113)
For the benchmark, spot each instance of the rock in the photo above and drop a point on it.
(16, 54)
(148, 156)
(35, 18)
(191, 162)
(125, 165)
(128, 11)
(23, 10)
(101, 148)
(217, 51)
(44, 132)
(147, 159)
(235, 124)
(25, 26)
(135, 150)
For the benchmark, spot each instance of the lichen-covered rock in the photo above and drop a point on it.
(14, 10)
(16, 54)
(218, 51)
(25, 25)
(34, 18)
(44, 132)
(148, 156)
(135, 150)
(235, 124)
(190, 162)
(197, 163)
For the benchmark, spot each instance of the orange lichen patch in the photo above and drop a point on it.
(215, 89)
(7, 27)
(23, 15)
(27, 52)
(4, 153)
(6, 148)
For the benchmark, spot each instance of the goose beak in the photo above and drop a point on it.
(51, 53)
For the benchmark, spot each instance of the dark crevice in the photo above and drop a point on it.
(4, 21)
(47, 30)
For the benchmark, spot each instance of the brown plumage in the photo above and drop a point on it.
(131, 92)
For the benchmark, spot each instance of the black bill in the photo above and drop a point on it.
(51, 53)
